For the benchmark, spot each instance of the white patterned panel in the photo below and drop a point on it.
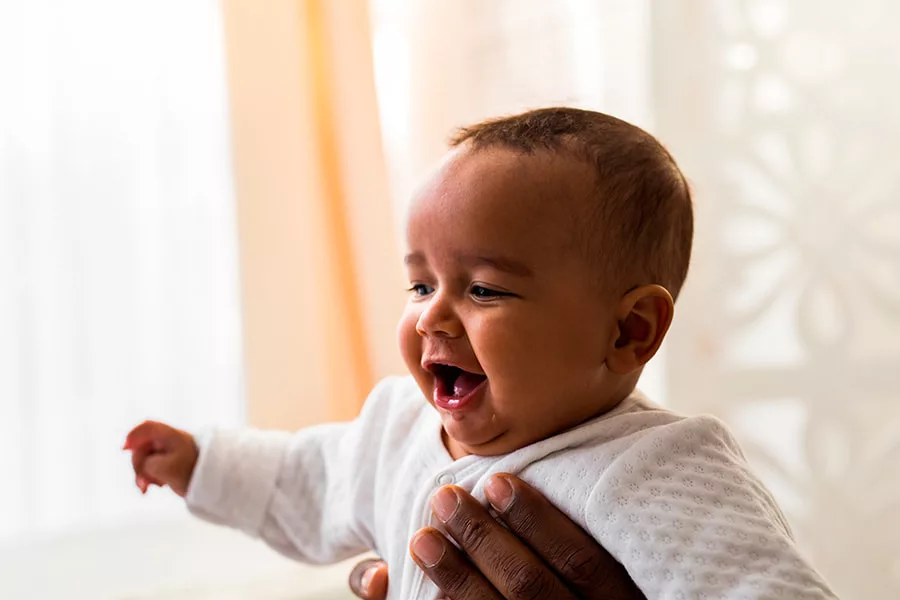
(787, 121)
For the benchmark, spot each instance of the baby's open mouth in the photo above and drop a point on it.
(453, 382)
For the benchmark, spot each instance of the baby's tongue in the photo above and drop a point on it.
(465, 383)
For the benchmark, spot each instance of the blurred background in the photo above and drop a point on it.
(200, 221)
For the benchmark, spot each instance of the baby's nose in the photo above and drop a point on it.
(439, 320)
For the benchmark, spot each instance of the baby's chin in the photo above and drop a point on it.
(462, 437)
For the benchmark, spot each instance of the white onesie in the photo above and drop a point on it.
(670, 497)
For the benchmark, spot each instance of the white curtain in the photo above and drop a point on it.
(785, 116)
(118, 269)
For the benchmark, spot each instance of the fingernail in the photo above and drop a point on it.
(499, 493)
(444, 503)
(428, 548)
(367, 579)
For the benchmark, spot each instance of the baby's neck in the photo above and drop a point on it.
(458, 450)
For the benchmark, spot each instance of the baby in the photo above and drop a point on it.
(544, 256)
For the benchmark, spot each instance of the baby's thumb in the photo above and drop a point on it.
(170, 469)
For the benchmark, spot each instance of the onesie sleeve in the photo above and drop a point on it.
(309, 495)
(682, 512)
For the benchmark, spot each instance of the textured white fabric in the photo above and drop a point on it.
(669, 497)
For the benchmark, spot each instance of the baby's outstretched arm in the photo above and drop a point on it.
(162, 455)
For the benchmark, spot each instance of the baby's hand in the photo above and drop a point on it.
(162, 455)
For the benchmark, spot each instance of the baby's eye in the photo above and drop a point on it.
(420, 289)
(483, 293)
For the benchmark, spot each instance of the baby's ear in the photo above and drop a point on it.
(643, 317)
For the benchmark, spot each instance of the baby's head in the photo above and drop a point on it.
(544, 254)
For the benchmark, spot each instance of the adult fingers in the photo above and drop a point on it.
(579, 560)
(448, 568)
(511, 567)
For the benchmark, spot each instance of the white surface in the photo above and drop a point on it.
(173, 559)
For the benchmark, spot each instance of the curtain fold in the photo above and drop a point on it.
(321, 278)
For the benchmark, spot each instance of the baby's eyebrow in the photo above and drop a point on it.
(500, 263)
(414, 259)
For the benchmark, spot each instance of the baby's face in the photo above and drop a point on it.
(506, 329)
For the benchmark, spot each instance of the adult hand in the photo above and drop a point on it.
(542, 554)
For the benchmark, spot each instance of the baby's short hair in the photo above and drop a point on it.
(640, 226)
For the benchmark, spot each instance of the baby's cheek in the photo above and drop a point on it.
(409, 340)
(510, 350)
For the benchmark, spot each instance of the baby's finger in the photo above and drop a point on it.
(167, 469)
(138, 455)
(148, 432)
(138, 460)
(159, 466)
